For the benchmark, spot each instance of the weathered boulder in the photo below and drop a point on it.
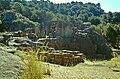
(11, 66)
(76, 36)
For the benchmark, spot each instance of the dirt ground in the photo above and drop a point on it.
(87, 70)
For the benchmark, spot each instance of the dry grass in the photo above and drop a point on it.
(34, 69)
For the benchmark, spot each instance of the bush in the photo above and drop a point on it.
(33, 68)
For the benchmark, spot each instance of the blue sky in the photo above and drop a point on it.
(107, 5)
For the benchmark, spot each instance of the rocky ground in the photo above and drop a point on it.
(11, 65)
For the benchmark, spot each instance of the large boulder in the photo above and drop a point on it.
(75, 36)
(11, 66)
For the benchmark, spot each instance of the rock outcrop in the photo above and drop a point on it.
(62, 35)
(75, 36)
(19, 39)
(11, 66)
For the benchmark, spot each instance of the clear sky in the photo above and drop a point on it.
(107, 5)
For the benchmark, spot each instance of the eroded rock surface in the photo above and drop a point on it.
(63, 35)
(75, 36)
(11, 66)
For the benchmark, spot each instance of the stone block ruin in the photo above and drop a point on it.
(61, 57)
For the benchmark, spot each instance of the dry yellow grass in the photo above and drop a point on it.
(34, 69)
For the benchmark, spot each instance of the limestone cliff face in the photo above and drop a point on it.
(67, 35)
(55, 28)
(74, 36)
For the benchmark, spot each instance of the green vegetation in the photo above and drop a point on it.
(21, 14)
(111, 32)
(32, 13)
